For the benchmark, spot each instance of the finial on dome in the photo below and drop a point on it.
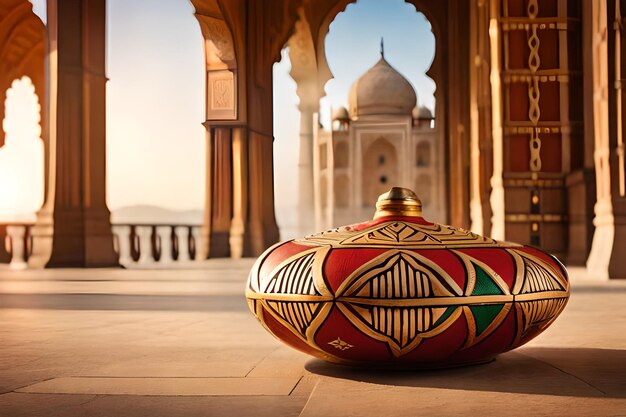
(382, 47)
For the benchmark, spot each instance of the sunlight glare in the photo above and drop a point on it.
(21, 157)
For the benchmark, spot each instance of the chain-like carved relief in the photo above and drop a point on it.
(535, 151)
(533, 43)
(532, 9)
(534, 112)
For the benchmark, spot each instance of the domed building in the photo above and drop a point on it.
(382, 140)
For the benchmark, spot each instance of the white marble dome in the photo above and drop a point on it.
(381, 91)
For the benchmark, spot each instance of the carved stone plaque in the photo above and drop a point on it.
(221, 95)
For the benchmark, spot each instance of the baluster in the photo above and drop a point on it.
(165, 237)
(145, 245)
(134, 243)
(28, 242)
(182, 234)
(195, 239)
(5, 243)
(16, 235)
(123, 234)
(174, 239)
(155, 241)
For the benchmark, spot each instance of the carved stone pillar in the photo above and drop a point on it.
(541, 122)
(73, 228)
(458, 112)
(218, 205)
(616, 152)
(597, 263)
(5, 256)
(310, 72)
(239, 234)
(306, 200)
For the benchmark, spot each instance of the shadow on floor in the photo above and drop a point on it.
(222, 302)
(579, 372)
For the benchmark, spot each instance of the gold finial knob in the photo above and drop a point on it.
(398, 202)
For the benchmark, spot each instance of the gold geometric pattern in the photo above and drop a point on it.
(399, 274)
(540, 313)
(295, 278)
(401, 297)
(298, 315)
(402, 234)
(536, 275)
(340, 344)
(392, 233)
(402, 328)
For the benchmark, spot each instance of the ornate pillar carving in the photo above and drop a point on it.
(597, 263)
(73, 228)
(480, 113)
(310, 72)
(241, 43)
(458, 114)
(496, 197)
(219, 194)
(615, 153)
(538, 45)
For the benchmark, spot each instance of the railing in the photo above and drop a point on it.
(157, 245)
(137, 245)
(16, 244)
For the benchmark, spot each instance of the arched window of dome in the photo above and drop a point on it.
(423, 154)
(341, 155)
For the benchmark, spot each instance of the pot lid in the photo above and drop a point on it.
(398, 223)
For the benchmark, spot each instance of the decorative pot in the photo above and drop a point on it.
(402, 291)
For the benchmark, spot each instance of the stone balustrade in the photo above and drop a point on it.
(137, 245)
(156, 245)
(15, 244)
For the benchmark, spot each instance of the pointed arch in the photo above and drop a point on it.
(22, 50)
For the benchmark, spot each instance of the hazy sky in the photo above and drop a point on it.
(155, 93)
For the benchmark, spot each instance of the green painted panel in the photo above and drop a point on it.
(484, 315)
(484, 283)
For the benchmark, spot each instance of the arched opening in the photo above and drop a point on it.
(379, 90)
(286, 147)
(423, 155)
(352, 45)
(21, 157)
(342, 156)
(342, 191)
(155, 107)
(382, 161)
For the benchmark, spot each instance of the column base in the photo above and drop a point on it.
(617, 263)
(5, 257)
(581, 193)
(219, 245)
(73, 238)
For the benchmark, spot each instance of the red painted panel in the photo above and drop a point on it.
(449, 262)
(497, 342)
(285, 335)
(442, 347)
(364, 348)
(550, 152)
(519, 153)
(340, 263)
(280, 254)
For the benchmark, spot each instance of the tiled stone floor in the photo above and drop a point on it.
(182, 343)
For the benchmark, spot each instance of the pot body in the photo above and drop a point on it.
(400, 291)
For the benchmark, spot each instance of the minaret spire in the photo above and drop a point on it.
(382, 47)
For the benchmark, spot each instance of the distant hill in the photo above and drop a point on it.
(154, 214)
